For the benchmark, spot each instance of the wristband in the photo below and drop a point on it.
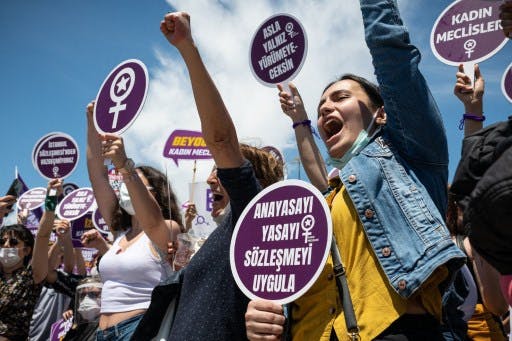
(50, 203)
(472, 117)
(306, 123)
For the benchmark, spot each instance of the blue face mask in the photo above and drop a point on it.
(361, 141)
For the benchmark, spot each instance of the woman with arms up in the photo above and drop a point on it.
(145, 218)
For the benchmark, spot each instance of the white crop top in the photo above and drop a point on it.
(129, 277)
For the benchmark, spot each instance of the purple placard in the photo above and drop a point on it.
(76, 204)
(31, 199)
(506, 83)
(68, 188)
(56, 156)
(275, 153)
(59, 329)
(278, 49)
(467, 31)
(121, 97)
(79, 226)
(186, 145)
(36, 147)
(99, 222)
(281, 242)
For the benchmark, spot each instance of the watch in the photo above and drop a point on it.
(128, 167)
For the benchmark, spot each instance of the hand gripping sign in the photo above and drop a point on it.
(506, 83)
(121, 97)
(76, 204)
(467, 31)
(281, 242)
(186, 145)
(278, 50)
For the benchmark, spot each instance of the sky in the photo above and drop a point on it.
(55, 56)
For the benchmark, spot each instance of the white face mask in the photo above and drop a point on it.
(89, 309)
(124, 200)
(9, 257)
(361, 141)
(218, 219)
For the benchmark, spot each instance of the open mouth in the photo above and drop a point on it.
(217, 197)
(331, 127)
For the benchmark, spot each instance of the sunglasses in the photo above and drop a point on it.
(12, 241)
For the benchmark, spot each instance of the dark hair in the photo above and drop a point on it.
(371, 89)
(22, 233)
(452, 216)
(164, 196)
(267, 168)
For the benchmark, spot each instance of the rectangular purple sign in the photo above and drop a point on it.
(186, 145)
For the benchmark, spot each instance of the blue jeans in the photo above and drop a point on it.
(120, 332)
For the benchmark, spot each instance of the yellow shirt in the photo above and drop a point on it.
(375, 302)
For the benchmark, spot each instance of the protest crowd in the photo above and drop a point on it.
(420, 258)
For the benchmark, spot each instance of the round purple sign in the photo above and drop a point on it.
(36, 147)
(506, 83)
(275, 153)
(68, 188)
(99, 222)
(121, 97)
(278, 49)
(281, 242)
(467, 31)
(76, 204)
(32, 199)
(56, 156)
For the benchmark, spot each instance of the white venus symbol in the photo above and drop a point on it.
(125, 92)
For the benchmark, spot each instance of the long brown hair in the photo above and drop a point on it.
(164, 196)
(266, 167)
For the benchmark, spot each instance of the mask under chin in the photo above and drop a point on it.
(225, 211)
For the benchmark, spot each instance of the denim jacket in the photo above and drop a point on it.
(398, 181)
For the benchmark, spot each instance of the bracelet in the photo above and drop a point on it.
(50, 203)
(472, 117)
(306, 123)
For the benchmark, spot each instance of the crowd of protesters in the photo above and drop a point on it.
(423, 259)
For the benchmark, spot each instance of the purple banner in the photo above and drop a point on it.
(506, 83)
(56, 156)
(121, 97)
(278, 50)
(467, 31)
(281, 242)
(76, 204)
(31, 199)
(186, 145)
